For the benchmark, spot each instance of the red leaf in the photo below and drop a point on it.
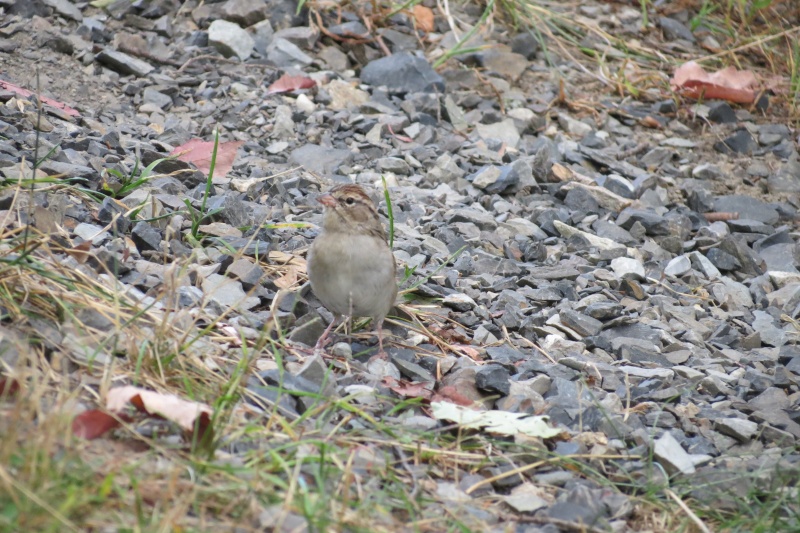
(199, 152)
(93, 423)
(9, 387)
(49, 101)
(692, 81)
(450, 394)
(287, 83)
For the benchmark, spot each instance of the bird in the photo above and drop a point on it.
(351, 268)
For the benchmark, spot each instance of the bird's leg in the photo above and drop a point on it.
(381, 354)
(324, 337)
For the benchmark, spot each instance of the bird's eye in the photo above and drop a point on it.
(350, 201)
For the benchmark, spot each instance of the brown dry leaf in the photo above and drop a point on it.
(650, 122)
(449, 334)
(591, 438)
(409, 389)
(199, 152)
(282, 258)
(449, 393)
(287, 83)
(80, 252)
(187, 414)
(423, 16)
(93, 423)
(692, 81)
(469, 351)
(288, 279)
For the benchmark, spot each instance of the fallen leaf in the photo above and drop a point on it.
(650, 122)
(469, 351)
(49, 101)
(692, 81)
(448, 393)
(234, 337)
(497, 422)
(423, 16)
(80, 252)
(288, 279)
(93, 423)
(527, 498)
(409, 389)
(287, 83)
(449, 334)
(9, 387)
(199, 152)
(187, 414)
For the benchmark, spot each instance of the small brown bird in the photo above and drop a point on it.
(351, 268)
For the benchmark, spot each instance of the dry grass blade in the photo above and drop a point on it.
(685, 508)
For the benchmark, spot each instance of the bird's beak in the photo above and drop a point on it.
(327, 200)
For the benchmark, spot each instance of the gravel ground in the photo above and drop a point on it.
(627, 268)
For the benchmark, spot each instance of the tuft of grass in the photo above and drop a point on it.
(128, 183)
(198, 216)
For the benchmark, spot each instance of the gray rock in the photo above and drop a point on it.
(780, 258)
(152, 96)
(525, 44)
(509, 65)
(747, 207)
(145, 237)
(723, 260)
(674, 30)
(320, 159)
(493, 379)
(123, 63)
(66, 170)
(722, 113)
(245, 12)
(91, 232)
(628, 268)
(189, 296)
(767, 328)
(583, 325)
(678, 266)
(227, 293)
(262, 34)
(283, 53)
(402, 73)
(504, 131)
(230, 39)
(741, 142)
(482, 219)
(738, 428)
(66, 9)
(787, 178)
(412, 371)
(246, 271)
(707, 171)
(304, 37)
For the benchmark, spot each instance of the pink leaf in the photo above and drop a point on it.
(287, 83)
(199, 152)
(49, 101)
(692, 81)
